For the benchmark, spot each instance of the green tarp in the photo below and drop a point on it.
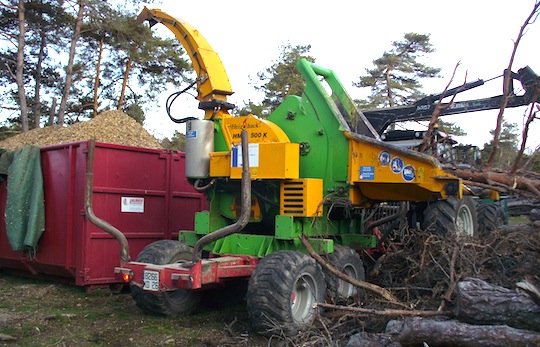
(25, 207)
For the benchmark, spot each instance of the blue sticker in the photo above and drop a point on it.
(384, 158)
(367, 173)
(396, 165)
(408, 173)
(191, 134)
(236, 154)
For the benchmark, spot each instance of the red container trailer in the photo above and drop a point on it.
(142, 192)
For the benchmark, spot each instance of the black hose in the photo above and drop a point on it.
(170, 101)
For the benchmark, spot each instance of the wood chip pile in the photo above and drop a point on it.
(109, 126)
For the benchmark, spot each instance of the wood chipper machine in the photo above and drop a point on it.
(307, 171)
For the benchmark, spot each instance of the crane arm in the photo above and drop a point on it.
(424, 108)
(213, 84)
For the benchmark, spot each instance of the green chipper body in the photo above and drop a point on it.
(303, 180)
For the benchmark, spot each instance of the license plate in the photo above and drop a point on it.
(151, 280)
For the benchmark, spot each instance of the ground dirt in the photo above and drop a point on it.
(421, 271)
(47, 313)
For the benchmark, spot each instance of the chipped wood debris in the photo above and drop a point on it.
(111, 126)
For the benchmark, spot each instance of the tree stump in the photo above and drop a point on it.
(478, 302)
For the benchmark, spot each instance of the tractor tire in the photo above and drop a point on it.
(175, 303)
(451, 216)
(346, 260)
(282, 293)
(490, 217)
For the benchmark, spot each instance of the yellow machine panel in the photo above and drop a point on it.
(259, 130)
(302, 198)
(384, 172)
(266, 161)
(220, 164)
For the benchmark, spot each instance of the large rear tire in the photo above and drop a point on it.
(282, 293)
(451, 216)
(490, 217)
(346, 260)
(173, 303)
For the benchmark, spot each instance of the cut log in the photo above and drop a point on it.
(417, 331)
(371, 340)
(479, 302)
(514, 228)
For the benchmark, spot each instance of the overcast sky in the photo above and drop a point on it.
(346, 36)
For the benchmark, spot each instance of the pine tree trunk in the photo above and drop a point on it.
(97, 79)
(37, 88)
(71, 61)
(20, 68)
(417, 331)
(124, 83)
(479, 302)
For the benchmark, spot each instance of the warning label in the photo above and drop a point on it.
(131, 204)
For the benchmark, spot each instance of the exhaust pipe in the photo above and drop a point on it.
(245, 208)
(100, 223)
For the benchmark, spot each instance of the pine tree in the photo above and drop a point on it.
(507, 148)
(394, 80)
(281, 79)
(35, 82)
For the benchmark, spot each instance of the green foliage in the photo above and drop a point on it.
(394, 80)
(507, 148)
(250, 108)
(176, 142)
(135, 112)
(450, 128)
(531, 164)
(110, 43)
(281, 79)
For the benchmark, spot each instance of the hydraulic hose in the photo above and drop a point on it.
(403, 209)
(100, 223)
(245, 207)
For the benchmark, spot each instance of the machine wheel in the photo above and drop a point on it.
(282, 293)
(451, 216)
(174, 303)
(490, 217)
(346, 260)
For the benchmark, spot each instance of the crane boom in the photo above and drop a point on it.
(424, 108)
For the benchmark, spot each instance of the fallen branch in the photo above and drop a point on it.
(361, 284)
(489, 177)
(411, 313)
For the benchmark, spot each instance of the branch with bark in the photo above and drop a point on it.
(439, 108)
(361, 284)
(532, 116)
(506, 84)
(504, 181)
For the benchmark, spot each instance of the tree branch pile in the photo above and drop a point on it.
(444, 284)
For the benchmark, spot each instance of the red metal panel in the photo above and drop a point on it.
(73, 247)
(184, 200)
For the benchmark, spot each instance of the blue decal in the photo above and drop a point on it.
(384, 158)
(396, 165)
(191, 134)
(408, 173)
(234, 157)
(367, 173)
